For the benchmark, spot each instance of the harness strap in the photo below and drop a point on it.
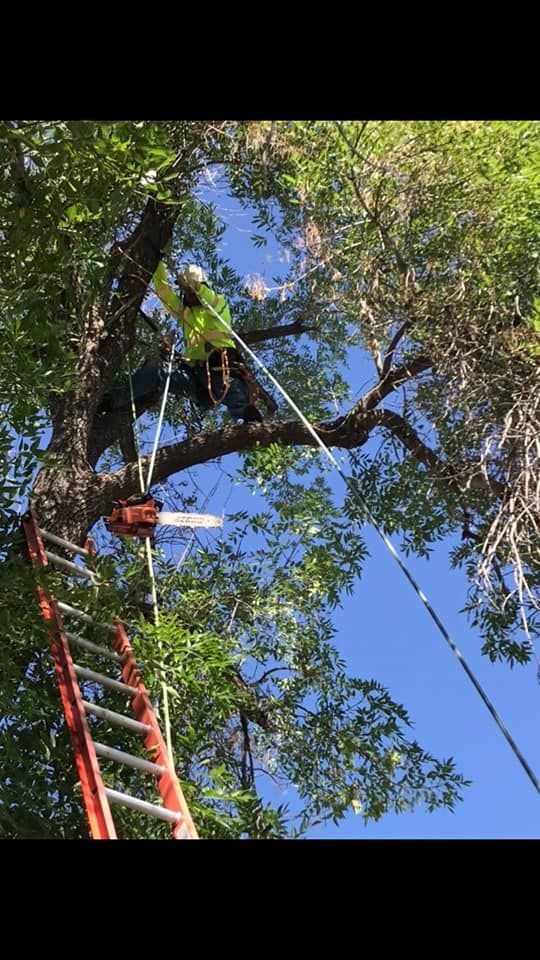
(226, 370)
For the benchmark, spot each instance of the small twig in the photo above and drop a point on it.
(392, 346)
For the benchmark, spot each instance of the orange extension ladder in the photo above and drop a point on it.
(98, 798)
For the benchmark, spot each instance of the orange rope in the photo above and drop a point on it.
(226, 371)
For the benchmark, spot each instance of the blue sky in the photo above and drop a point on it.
(384, 632)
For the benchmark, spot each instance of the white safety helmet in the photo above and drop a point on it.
(193, 274)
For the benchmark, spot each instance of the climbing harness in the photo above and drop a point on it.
(226, 375)
(235, 365)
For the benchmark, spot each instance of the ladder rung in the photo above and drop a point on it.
(117, 718)
(104, 680)
(66, 544)
(70, 567)
(81, 615)
(110, 753)
(95, 647)
(153, 809)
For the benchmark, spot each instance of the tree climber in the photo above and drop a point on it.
(211, 370)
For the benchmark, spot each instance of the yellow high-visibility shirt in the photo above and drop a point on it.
(203, 331)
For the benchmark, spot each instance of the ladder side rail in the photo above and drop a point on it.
(96, 803)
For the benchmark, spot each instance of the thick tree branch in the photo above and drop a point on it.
(347, 432)
(424, 454)
(253, 336)
(350, 432)
(115, 427)
(393, 379)
(141, 254)
(107, 340)
(273, 333)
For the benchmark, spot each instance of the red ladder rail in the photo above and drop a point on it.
(96, 804)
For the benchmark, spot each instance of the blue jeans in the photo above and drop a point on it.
(186, 381)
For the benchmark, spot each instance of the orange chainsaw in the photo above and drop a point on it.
(139, 515)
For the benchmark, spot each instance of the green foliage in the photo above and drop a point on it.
(427, 227)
